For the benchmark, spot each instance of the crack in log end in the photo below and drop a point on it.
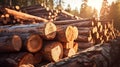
(17, 42)
(34, 43)
(50, 30)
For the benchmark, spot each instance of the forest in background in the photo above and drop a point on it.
(113, 10)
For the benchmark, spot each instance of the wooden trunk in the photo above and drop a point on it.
(65, 22)
(52, 51)
(65, 33)
(84, 32)
(16, 59)
(31, 42)
(84, 45)
(37, 58)
(68, 45)
(75, 47)
(24, 16)
(45, 30)
(82, 38)
(11, 43)
(69, 52)
(78, 23)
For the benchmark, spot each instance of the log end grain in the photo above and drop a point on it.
(53, 51)
(69, 52)
(17, 42)
(50, 30)
(26, 59)
(34, 43)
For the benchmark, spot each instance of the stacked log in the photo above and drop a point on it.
(105, 55)
(85, 27)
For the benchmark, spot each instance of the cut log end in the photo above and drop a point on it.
(69, 52)
(75, 32)
(34, 43)
(17, 42)
(50, 30)
(27, 59)
(69, 33)
(53, 51)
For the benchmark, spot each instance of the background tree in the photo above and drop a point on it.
(86, 11)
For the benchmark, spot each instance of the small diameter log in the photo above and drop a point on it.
(10, 43)
(53, 51)
(75, 47)
(84, 45)
(16, 59)
(84, 32)
(65, 33)
(65, 22)
(69, 52)
(31, 42)
(24, 16)
(45, 30)
(68, 45)
(82, 38)
(77, 23)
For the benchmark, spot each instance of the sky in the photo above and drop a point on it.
(77, 3)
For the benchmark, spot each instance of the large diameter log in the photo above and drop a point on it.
(53, 51)
(11, 43)
(24, 16)
(31, 42)
(16, 59)
(45, 30)
(65, 33)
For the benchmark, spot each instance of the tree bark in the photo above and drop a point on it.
(16, 59)
(24, 16)
(12, 43)
(45, 30)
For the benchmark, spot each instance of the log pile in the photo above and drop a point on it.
(100, 55)
(32, 43)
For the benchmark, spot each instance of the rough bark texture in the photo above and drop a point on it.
(10, 43)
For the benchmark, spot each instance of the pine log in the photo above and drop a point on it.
(45, 30)
(84, 45)
(24, 16)
(65, 33)
(31, 42)
(84, 32)
(52, 51)
(69, 52)
(66, 22)
(10, 43)
(75, 23)
(75, 32)
(82, 38)
(75, 47)
(16, 59)
(68, 45)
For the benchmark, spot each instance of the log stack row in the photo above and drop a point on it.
(30, 43)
